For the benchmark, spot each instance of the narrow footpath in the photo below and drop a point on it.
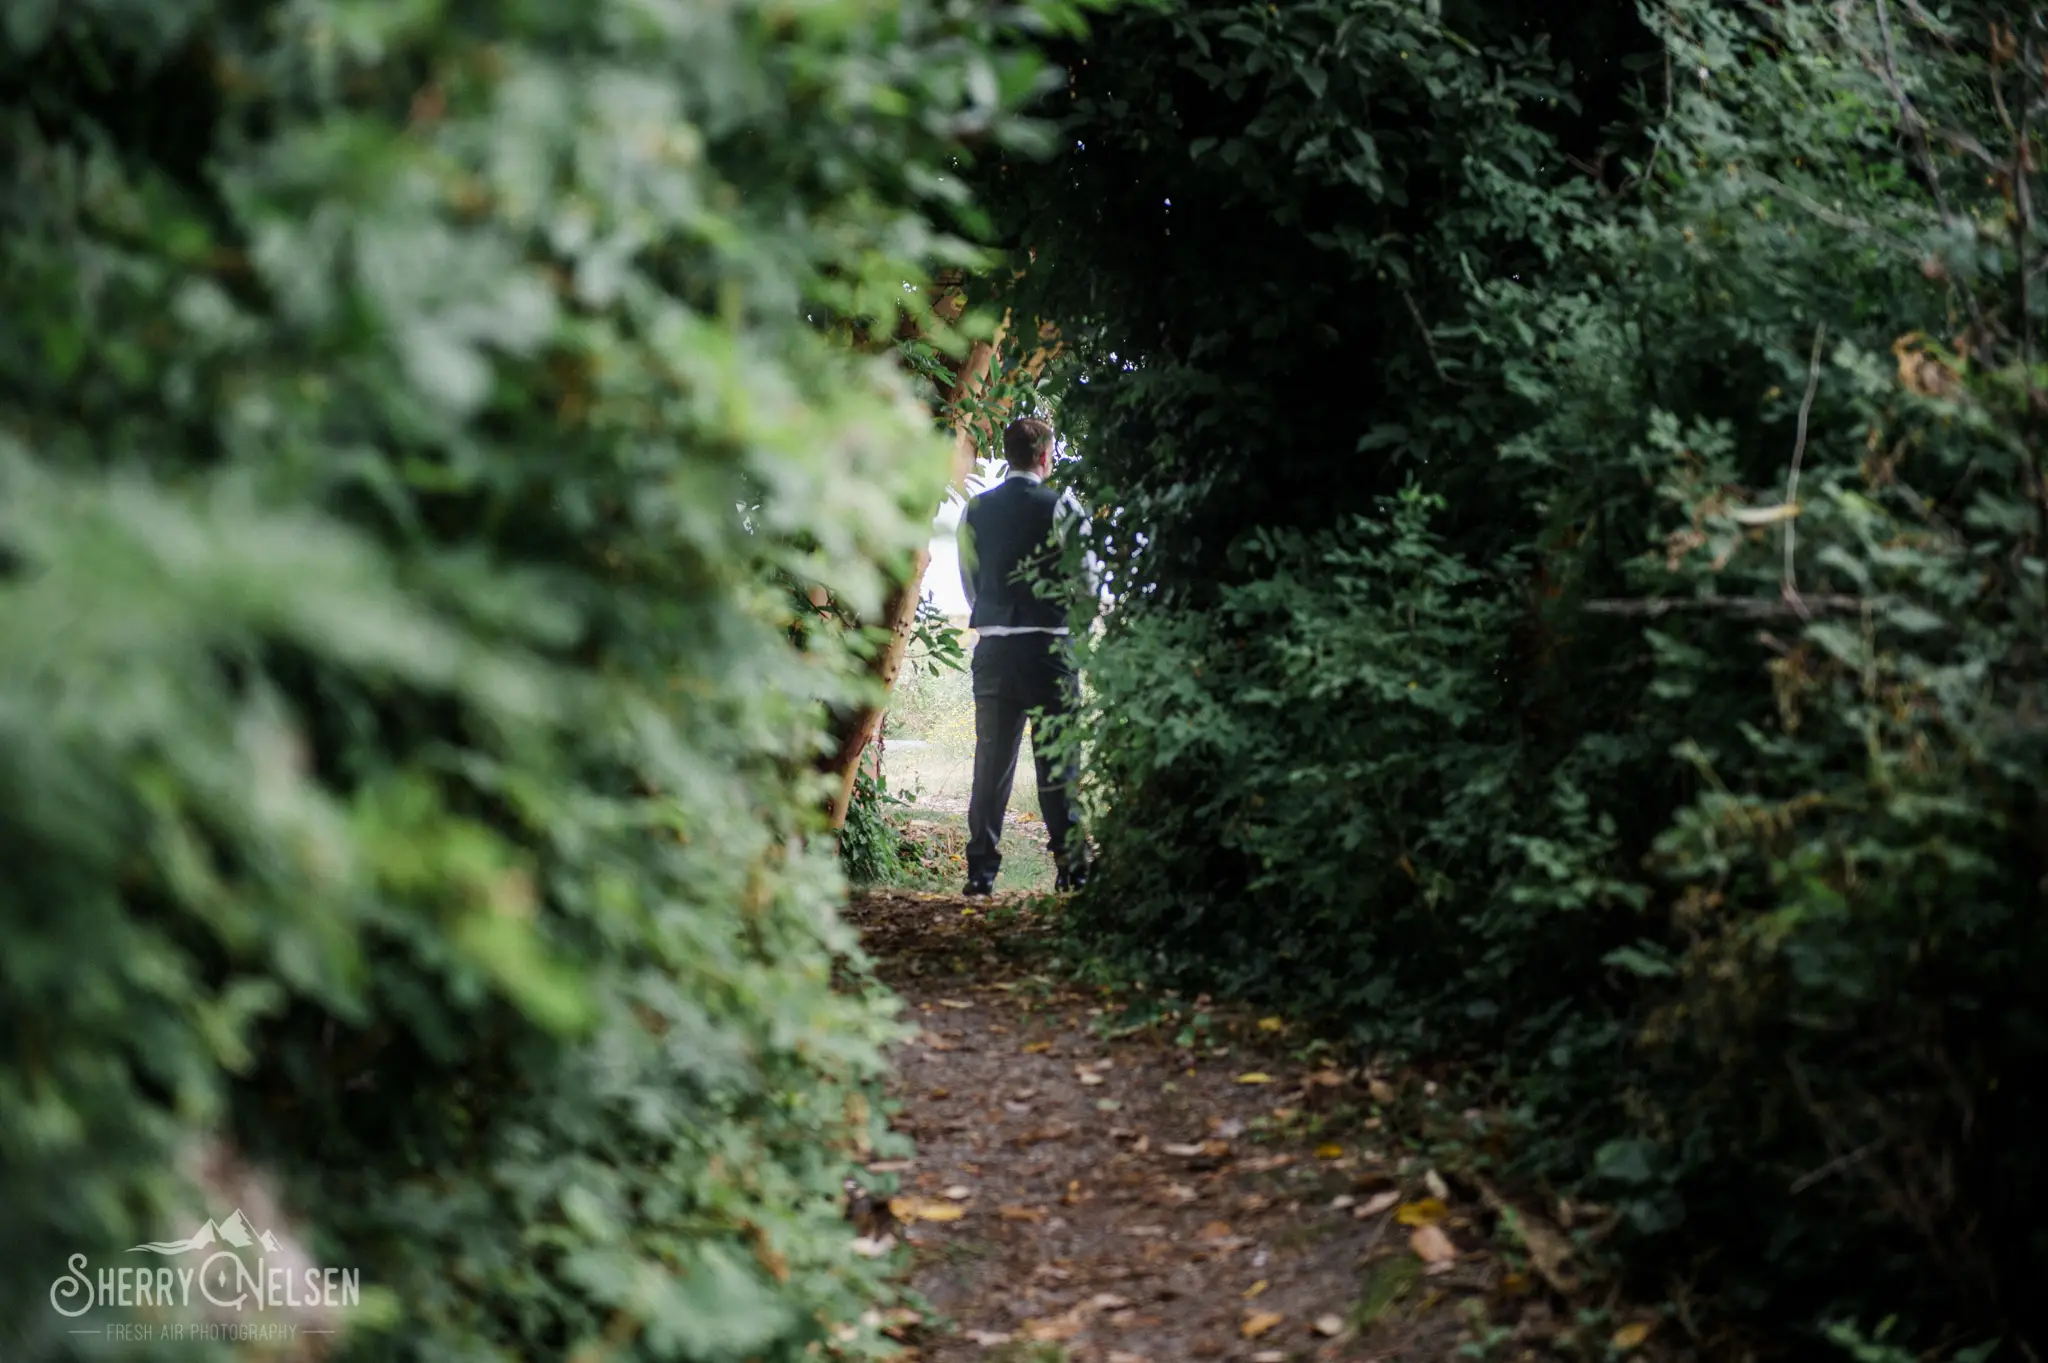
(1096, 1186)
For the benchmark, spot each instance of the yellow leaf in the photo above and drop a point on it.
(1038, 1048)
(918, 1209)
(1258, 1322)
(1427, 1212)
(1270, 1024)
(1632, 1336)
(1329, 1152)
(1255, 1078)
(1256, 1288)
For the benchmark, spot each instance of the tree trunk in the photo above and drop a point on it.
(899, 613)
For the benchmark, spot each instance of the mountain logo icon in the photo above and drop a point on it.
(236, 1230)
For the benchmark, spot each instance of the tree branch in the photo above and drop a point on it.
(1917, 127)
(1428, 340)
(2023, 232)
(1907, 111)
(1740, 607)
(1791, 581)
(1832, 217)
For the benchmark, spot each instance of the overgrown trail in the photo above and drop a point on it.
(1147, 1193)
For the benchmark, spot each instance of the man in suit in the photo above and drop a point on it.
(1010, 563)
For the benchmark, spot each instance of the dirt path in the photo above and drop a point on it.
(1159, 1196)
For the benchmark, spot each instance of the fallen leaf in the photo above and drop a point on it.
(918, 1209)
(1427, 1212)
(1329, 1326)
(1090, 1077)
(1270, 1024)
(1054, 1330)
(1215, 1230)
(1181, 1149)
(1144, 1232)
(1631, 1336)
(1119, 1356)
(1433, 1247)
(959, 1192)
(953, 1003)
(1108, 1301)
(1259, 1322)
(1382, 1092)
(1435, 1183)
(990, 1339)
(1285, 1114)
(891, 1166)
(1331, 1151)
(1342, 1201)
(1550, 1253)
(874, 1247)
(1377, 1203)
(1255, 1078)
(1014, 1213)
(1038, 1048)
(1256, 1288)
(1270, 1356)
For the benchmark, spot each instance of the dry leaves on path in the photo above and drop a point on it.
(1155, 1205)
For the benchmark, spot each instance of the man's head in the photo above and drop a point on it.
(1027, 445)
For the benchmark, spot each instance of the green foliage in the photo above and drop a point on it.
(413, 417)
(1699, 800)
(872, 848)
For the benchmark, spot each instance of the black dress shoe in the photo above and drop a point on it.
(1066, 882)
(979, 889)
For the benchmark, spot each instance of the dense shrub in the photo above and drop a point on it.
(1701, 801)
(413, 423)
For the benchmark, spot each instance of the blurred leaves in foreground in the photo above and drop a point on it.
(412, 418)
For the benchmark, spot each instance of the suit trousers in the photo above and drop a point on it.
(1018, 679)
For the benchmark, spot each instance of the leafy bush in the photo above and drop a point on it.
(1712, 822)
(414, 418)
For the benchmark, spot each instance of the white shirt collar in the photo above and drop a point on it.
(1020, 473)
